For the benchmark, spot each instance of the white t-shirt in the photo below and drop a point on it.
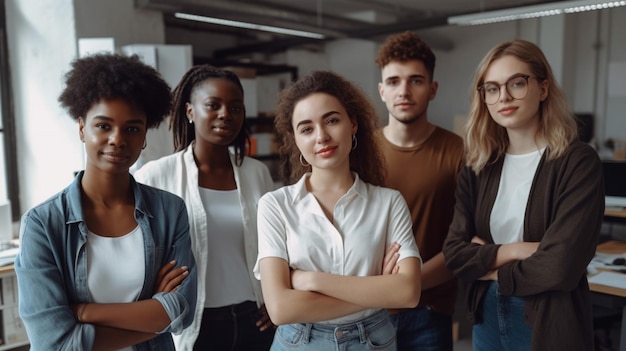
(115, 267)
(367, 219)
(509, 209)
(227, 280)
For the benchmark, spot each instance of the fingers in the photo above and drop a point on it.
(166, 268)
(170, 280)
(391, 259)
(392, 251)
(264, 322)
(478, 240)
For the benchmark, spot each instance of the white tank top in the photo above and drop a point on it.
(227, 277)
(509, 209)
(115, 267)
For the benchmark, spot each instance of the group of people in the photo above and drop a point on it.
(359, 250)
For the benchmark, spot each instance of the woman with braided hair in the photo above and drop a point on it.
(221, 189)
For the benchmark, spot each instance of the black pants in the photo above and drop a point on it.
(232, 328)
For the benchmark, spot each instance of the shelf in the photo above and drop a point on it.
(14, 345)
(8, 305)
(261, 69)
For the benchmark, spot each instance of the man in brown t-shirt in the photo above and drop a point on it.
(422, 161)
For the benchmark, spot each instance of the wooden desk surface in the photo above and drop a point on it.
(6, 269)
(614, 213)
(610, 247)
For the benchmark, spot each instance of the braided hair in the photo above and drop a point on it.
(184, 132)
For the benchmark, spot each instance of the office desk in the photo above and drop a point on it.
(615, 216)
(611, 297)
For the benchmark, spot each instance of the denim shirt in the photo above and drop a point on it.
(51, 267)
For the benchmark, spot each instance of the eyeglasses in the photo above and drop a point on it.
(516, 87)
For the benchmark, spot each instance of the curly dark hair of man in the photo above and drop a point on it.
(114, 76)
(406, 46)
(365, 159)
(184, 132)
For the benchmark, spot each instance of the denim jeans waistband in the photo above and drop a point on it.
(345, 331)
(229, 311)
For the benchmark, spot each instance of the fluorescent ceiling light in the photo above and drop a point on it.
(534, 11)
(261, 27)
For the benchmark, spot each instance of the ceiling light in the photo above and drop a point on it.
(261, 27)
(534, 11)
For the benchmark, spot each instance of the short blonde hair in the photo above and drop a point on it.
(486, 141)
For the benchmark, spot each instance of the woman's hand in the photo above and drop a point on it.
(169, 278)
(264, 322)
(390, 261)
(478, 240)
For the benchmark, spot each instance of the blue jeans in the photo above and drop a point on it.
(375, 332)
(422, 329)
(502, 327)
(233, 328)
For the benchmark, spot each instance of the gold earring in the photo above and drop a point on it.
(303, 161)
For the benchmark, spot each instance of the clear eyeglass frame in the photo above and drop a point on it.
(516, 87)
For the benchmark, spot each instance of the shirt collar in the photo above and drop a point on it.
(300, 191)
(75, 206)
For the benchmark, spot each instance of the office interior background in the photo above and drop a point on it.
(40, 145)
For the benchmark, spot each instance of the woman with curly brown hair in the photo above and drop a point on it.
(323, 239)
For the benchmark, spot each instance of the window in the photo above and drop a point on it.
(9, 187)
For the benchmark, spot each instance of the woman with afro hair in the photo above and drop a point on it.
(106, 264)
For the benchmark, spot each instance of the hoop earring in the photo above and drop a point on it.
(145, 143)
(354, 141)
(303, 161)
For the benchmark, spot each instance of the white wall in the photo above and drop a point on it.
(42, 40)
(354, 60)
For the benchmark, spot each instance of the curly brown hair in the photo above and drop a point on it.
(365, 159)
(184, 132)
(404, 47)
(114, 76)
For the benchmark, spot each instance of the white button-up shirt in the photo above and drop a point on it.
(367, 219)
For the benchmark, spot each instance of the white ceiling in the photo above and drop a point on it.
(367, 19)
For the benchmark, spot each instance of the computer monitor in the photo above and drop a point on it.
(614, 183)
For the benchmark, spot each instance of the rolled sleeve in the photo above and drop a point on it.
(177, 308)
(180, 304)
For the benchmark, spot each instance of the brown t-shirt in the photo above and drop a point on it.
(426, 176)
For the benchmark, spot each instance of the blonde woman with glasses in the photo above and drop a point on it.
(529, 206)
